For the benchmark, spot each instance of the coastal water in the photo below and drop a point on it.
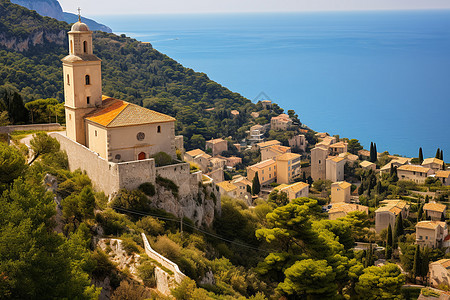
(375, 76)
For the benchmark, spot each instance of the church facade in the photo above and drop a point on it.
(116, 130)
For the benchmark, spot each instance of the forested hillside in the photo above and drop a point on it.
(131, 70)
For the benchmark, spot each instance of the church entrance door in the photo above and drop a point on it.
(141, 156)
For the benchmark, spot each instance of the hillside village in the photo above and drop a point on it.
(247, 216)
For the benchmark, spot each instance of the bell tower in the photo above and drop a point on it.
(82, 81)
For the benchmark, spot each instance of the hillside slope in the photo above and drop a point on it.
(31, 47)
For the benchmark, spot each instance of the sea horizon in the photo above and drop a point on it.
(377, 76)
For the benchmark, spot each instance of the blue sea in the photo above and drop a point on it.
(379, 77)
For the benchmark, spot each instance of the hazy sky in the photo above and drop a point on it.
(103, 7)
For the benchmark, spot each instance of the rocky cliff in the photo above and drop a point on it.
(52, 8)
(23, 43)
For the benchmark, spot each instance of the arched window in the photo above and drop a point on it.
(68, 79)
(71, 47)
(159, 129)
(142, 156)
(88, 80)
(85, 47)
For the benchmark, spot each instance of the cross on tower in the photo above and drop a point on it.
(79, 14)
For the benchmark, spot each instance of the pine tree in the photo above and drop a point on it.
(438, 153)
(256, 186)
(420, 155)
(389, 242)
(416, 270)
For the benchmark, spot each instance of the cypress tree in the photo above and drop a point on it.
(420, 155)
(424, 263)
(369, 257)
(442, 155)
(379, 187)
(256, 186)
(438, 153)
(375, 152)
(420, 213)
(443, 166)
(389, 242)
(398, 230)
(427, 199)
(416, 270)
(371, 152)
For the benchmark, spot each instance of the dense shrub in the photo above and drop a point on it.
(147, 188)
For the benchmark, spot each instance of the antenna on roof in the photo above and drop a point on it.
(79, 14)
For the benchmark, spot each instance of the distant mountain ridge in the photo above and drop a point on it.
(52, 8)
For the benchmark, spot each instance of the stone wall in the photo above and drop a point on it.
(180, 174)
(163, 282)
(43, 127)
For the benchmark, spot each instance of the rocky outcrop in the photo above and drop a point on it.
(52, 9)
(200, 205)
(36, 38)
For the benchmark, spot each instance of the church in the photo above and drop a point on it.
(116, 130)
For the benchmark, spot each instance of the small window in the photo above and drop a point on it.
(159, 129)
(88, 100)
(85, 47)
(96, 133)
(70, 117)
(88, 79)
(68, 79)
(117, 156)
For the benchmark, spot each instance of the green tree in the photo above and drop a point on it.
(41, 110)
(389, 243)
(279, 199)
(441, 156)
(420, 212)
(256, 186)
(383, 282)
(417, 265)
(371, 156)
(354, 146)
(11, 101)
(309, 279)
(420, 155)
(42, 144)
(398, 231)
(12, 164)
(438, 153)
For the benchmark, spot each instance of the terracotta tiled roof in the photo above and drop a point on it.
(443, 174)
(336, 159)
(435, 207)
(227, 186)
(346, 207)
(215, 141)
(366, 164)
(295, 187)
(393, 206)
(118, 113)
(414, 168)
(338, 145)
(263, 164)
(195, 152)
(343, 184)
(242, 180)
(279, 148)
(444, 262)
(288, 156)
(430, 224)
(268, 143)
(432, 160)
(234, 112)
(349, 156)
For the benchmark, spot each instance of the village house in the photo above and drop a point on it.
(256, 134)
(388, 212)
(266, 104)
(395, 162)
(190, 155)
(327, 141)
(435, 211)
(281, 122)
(288, 167)
(217, 175)
(318, 162)
(199, 157)
(337, 148)
(266, 170)
(433, 163)
(298, 141)
(226, 188)
(440, 272)
(340, 192)
(321, 135)
(216, 146)
(418, 174)
(364, 154)
(341, 209)
(335, 168)
(261, 146)
(367, 165)
(431, 233)
(232, 161)
(350, 158)
(274, 151)
(443, 176)
(295, 190)
(236, 188)
(216, 163)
